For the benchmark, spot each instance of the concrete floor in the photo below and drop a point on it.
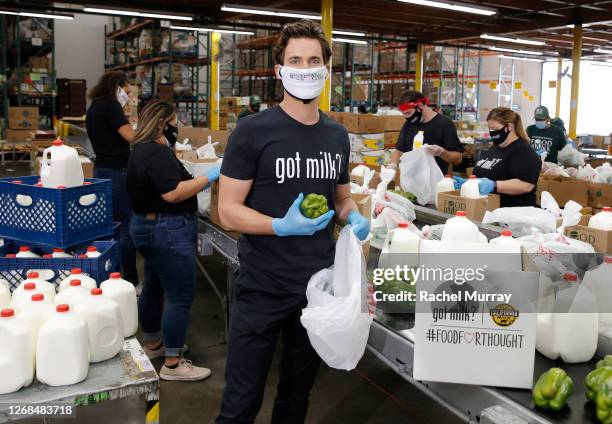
(371, 394)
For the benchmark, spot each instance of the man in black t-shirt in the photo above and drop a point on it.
(273, 159)
(435, 131)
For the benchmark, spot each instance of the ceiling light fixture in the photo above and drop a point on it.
(349, 33)
(134, 13)
(268, 12)
(458, 7)
(37, 15)
(583, 25)
(600, 50)
(530, 59)
(501, 49)
(512, 40)
(348, 40)
(222, 31)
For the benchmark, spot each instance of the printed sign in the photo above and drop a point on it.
(436, 83)
(493, 85)
(518, 85)
(552, 84)
(525, 93)
(531, 98)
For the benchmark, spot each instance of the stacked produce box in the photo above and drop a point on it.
(23, 123)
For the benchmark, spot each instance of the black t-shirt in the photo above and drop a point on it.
(104, 118)
(153, 170)
(440, 130)
(284, 158)
(550, 139)
(517, 160)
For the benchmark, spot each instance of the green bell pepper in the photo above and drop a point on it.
(595, 380)
(605, 362)
(553, 389)
(603, 402)
(314, 205)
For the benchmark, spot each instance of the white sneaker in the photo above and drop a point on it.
(185, 371)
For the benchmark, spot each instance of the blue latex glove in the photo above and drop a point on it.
(360, 224)
(458, 182)
(485, 186)
(540, 152)
(296, 224)
(213, 174)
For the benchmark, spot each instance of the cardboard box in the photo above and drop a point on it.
(337, 116)
(214, 212)
(19, 136)
(369, 157)
(198, 136)
(376, 180)
(600, 240)
(600, 195)
(364, 124)
(564, 189)
(394, 122)
(391, 139)
(361, 142)
(451, 202)
(86, 164)
(198, 167)
(23, 118)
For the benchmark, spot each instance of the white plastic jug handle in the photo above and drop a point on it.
(23, 200)
(88, 199)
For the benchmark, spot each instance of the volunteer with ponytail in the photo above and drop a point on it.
(510, 167)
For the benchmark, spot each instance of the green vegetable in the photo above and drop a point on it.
(553, 389)
(595, 380)
(405, 194)
(314, 205)
(605, 362)
(603, 403)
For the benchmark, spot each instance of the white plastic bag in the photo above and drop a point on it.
(605, 172)
(587, 173)
(207, 151)
(419, 174)
(337, 323)
(569, 156)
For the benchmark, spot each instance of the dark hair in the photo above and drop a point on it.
(302, 29)
(152, 120)
(506, 116)
(108, 85)
(411, 96)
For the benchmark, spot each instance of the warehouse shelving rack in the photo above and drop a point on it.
(15, 53)
(195, 106)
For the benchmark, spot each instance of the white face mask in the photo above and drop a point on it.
(122, 97)
(303, 84)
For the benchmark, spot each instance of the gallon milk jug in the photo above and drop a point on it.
(505, 238)
(62, 350)
(36, 312)
(461, 229)
(401, 247)
(470, 189)
(124, 293)
(41, 285)
(60, 253)
(22, 295)
(77, 274)
(72, 295)
(444, 185)
(599, 282)
(104, 325)
(602, 220)
(61, 166)
(92, 252)
(16, 366)
(25, 252)
(5, 294)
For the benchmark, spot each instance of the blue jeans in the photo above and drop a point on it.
(168, 245)
(122, 212)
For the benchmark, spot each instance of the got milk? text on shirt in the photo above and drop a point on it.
(326, 166)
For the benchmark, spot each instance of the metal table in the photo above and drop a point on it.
(129, 374)
(391, 341)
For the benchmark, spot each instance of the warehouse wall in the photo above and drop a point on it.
(529, 74)
(79, 48)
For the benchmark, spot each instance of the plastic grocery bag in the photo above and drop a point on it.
(587, 173)
(207, 151)
(605, 172)
(337, 323)
(569, 156)
(419, 174)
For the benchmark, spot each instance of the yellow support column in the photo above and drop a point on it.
(327, 11)
(418, 77)
(558, 100)
(576, 56)
(213, 97)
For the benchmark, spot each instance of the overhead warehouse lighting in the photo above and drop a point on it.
(583, 25)
(458, 7)
(512, 40)
(530, 59)
(501, 49)
(349, 33)
(600, 50)
(222, 31)
(348, 40)
(268, 12)
(37, 15)
(139, 14)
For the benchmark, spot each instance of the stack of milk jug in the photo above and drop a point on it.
(58, 334)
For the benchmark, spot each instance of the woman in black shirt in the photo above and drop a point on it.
(511, 167)
(110, 134)
(164, 230)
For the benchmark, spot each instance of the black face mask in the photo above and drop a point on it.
(499, 136)
(171, 134)
(416, 117)
(255, 108)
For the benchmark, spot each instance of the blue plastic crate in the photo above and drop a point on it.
(15, 270)
(55, 217)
